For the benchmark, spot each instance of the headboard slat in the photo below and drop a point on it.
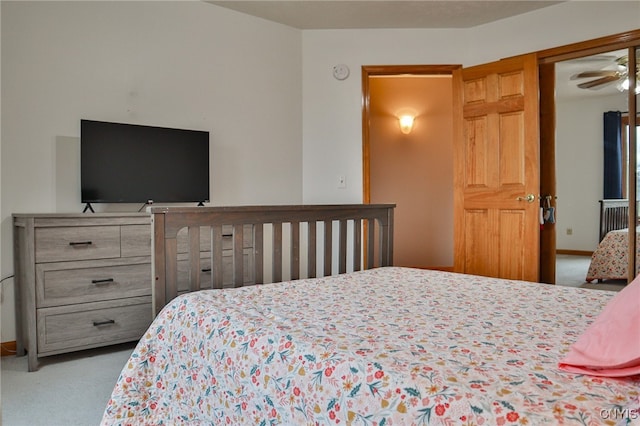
(614, 214)
(328, 246)
(311, 262)
(216, 256)
(342, 247)
(277, 251)
(242, 260)
(357, 245)
(295, 250)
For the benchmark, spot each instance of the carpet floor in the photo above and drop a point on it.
(66, 390)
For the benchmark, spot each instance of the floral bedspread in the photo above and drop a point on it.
(610, 261)
(388, 346)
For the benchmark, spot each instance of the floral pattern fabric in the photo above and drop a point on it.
(387, 346)
(610, 260)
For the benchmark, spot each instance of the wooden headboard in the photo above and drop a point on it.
(236, 241)
(614, 214)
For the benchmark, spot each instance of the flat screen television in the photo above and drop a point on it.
(131, 163)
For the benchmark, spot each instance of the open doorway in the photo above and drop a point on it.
(582, 97)
(412, 167)
(573, 173)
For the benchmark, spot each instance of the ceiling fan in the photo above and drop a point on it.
(618, 72)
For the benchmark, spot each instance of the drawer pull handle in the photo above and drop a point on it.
(103, 281)
(99, 323)
(80, 243)
(206, 270)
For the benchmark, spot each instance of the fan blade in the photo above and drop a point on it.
(598, 82)
(589, 74)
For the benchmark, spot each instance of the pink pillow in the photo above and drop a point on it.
(610, 346)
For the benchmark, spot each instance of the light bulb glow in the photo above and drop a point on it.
(406, 123)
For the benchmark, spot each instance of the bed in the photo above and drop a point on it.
(614, 215)
(610, 259)
(375, 346)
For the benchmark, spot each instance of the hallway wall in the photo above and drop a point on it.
(415, 171)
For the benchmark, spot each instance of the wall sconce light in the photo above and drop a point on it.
(406, 123)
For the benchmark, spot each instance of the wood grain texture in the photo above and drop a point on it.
(73, 269)
(271, 231)
(496, 164)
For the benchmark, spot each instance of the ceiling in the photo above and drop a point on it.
(366, 14)
(386, 14)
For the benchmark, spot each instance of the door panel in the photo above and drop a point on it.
(496, 165)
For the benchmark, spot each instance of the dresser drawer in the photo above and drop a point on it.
(76, 243)
(92, 324)
(135, 240)
(92, 281)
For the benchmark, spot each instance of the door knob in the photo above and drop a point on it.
(529, 198)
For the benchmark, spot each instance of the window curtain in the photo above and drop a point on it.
(612, 155)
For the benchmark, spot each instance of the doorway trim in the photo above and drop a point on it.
(388, 70)
(546, 70)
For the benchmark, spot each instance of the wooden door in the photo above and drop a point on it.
(496, 169)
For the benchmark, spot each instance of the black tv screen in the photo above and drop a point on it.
(130, 163)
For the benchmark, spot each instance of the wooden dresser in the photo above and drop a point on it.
(84, 280)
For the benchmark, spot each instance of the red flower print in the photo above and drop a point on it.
(153, 405)
(273, 412)
(152, 359)
(296, 391)
(379, 374)
(440, 409)
(288, 344)
(332, 415)
(513, 416)
(328, 371)
(570, 407)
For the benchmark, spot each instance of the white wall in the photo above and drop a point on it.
(579, 167)
(181, 64)
(332, 110)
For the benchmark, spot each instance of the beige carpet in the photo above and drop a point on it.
(67, 390)
(571, 271)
